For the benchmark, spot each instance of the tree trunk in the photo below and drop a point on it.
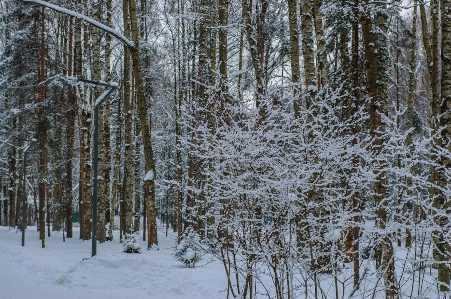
(116, 196)
(355, 132)
(145, 130)
(42, 134)
(127, 188)
(5, 205)
(19, 183)
(410, 109)
(442, 202)
(307, 44)
(321, 57)
(117, 178)
(12, 183)
(70, 131)
(212, 32)
(256, 42)
(178, 98)
(435, 51)
(135, 178)
(223, 47)
(294, 51)
(377, 85)
(58, 191)
(86, 125)
(203, 71)
(240, 59)
(78, 67)
(103, 155)
(110, 209)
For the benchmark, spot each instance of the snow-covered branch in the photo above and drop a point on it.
(93, 22)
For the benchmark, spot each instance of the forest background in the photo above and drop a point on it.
(287, 138)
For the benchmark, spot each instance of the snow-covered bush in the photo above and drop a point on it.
(189, 251)
(130, 244)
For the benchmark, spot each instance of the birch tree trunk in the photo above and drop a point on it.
(86, 124)
(307, 44)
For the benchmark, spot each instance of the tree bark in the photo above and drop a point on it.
(321, 57)
(355, 132)
(223, 46)
(410, 108)
(256, 42)
(12, 184)
(78, 67)
(307, 44)
(96, 76)
(70, 131)
(430, 44)
(58, 185)
(212, 31)
(442, 203)
(86, 125)
(179, 97)
(294, 52)
(377, 85)
(42, 133)
(203, 71)
(104, 208)
(240, 59)
(145, 130)
(127, 189)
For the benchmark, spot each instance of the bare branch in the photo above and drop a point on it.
(95, 23)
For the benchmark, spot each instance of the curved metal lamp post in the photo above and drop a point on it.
(24, 196)
(113, 86)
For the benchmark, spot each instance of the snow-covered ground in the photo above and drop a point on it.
(59, 271)
(65, 270)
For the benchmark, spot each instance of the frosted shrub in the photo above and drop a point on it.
(189, 251)
(130, 244)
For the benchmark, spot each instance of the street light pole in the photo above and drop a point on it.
(24, 201)
(113, 86)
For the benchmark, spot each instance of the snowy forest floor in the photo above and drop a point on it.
(59, 271)
(64, 270)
